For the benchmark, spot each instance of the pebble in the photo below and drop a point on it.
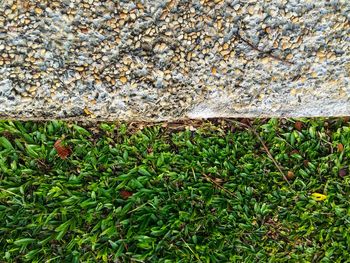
(38, 11)
(251, 10)
(123, 79)
(289, 56)
(133, 16)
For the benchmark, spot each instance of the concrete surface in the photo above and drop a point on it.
(161, 60)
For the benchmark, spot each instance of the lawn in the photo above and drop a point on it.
(214, 191)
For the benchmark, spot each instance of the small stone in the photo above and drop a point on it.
(251, 10)
(285, 45)
(38, 11)
(123, 16)
(273, 13)
(289, 56)
(189, 56)
(320, 54)
(84, 30)
(265, 60)
(80, 69)
(123, 79)
(133, 16)
(160, 47)
(213, 70)
(32, 89)
(225, 52)
(293, 91)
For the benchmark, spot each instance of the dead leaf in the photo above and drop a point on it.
(62, 151)
(125, 194)
(218, 180)
(294, 152)
(343, 172)
(298, 125)
(290, 175)
(340, 147)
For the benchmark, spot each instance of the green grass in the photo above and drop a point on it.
(209, 195)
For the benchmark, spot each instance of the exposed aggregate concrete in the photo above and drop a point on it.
(159, 60)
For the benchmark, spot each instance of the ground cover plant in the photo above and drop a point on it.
(217, 191)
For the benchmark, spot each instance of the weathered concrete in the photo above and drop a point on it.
(156, 60)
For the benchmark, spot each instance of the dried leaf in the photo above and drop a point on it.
(149, 150)
(298, 125)
(62, 151)
(218, 180)
(294, 152)
(343, 172)
(340, 147)
(245, 121)
(125, 194)
(290, 175)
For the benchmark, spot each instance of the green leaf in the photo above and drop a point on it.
(62, 229)
(24, 241)
(81, 130)
(144, 172)
(6, 143)
(32, 151)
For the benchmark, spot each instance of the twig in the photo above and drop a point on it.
(121, 238)
(267, 53)
(9, 192)
(218, 185)
(264, 146)
(191, 250)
